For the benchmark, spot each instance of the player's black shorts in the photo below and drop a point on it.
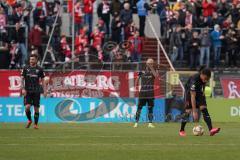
(32, 98)
(200, 101)
(146, 101)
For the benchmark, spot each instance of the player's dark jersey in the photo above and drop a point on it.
(32, 77)
(195, 83)
(147, 84)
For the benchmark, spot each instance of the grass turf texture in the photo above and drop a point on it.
(116, 142)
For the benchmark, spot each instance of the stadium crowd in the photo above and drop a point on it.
(199, 31)
(18, 35)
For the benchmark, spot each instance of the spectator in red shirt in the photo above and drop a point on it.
(3, 19)
(97, 37)
(81, 42)
(78, 15)
(66, 51)
(88, 11)
(35, 39)
(129, 30)
(84, 30)
(11, 3)
(136, 47)
(208, 8)
(101, 26)
(99, 53)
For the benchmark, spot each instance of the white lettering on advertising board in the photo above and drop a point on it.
(235, 111)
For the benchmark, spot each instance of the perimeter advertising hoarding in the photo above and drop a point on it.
(230, 87)
(224, 110)
(80, 110)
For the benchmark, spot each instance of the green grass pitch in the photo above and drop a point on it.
(107, 141)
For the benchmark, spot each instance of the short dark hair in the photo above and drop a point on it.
(34, 55)
(205, 71)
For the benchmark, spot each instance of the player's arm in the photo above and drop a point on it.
(23, 75)
(193, 102)
(136, 87)
(23, 90)
(44, 81)
(44, 86)
(154, 72)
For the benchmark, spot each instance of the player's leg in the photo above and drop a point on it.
(206, 117)
(36, 116)
(185, 119)
(28, 115)
(186, 114)
(141, 103)
(150, 112)
(208, 120)
(27, 103)
(36, 104)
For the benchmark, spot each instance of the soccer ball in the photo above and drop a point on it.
(198, 130)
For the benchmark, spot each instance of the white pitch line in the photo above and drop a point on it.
(111, 144)
(67, 137)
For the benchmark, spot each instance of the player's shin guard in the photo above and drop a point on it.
(185, 118)
(28, 114)
(138, 113)
(36, 117)
(150, 114)
(207, 118)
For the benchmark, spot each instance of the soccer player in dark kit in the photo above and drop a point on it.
(195, 99)
(146, 94)
(32, 81)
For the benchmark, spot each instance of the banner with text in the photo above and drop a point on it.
(77, 84)
(231, 87)
(54, 110)
(224, 110)
(73, 84)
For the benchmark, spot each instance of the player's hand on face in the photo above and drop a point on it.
(45, 94)
(195, 115)
(24, 92)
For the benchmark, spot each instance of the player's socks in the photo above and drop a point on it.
(185, 118)
(135, 125)
(138, 113)
(36, 117)
(183, 124)
(150, 125)
(28, 114)
(207, 118)
(150, 114)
